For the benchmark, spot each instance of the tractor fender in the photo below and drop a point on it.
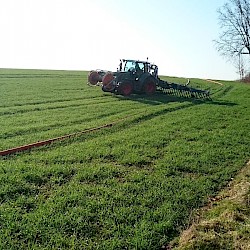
(145, 77)
(139, 81)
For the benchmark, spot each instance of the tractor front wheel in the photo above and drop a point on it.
(149, 87)
(94, 77)
(125, 88)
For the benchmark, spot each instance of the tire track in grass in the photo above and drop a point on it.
(134, 121)
(24, 133)
(22, 111)
(147, 117)
(107, 103)
(18, 76)
(56, 125)
(51, 101)
(64, 123)
(150, 115)
(223, 91)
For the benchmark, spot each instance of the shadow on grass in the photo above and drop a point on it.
(161, 98)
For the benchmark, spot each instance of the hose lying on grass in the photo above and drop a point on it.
(49, 141)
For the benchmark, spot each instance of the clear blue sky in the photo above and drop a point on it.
(177, 35)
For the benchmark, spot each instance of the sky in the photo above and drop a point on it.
(176, 35)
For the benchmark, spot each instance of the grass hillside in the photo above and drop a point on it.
(134, 185)
(224, 223)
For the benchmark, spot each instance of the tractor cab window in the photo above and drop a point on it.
(139, 67)
(134, 66)
(129, 66)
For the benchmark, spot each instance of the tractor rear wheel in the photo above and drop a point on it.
(125, 88)
(149, 87)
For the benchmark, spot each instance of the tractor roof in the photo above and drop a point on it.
(139, 61)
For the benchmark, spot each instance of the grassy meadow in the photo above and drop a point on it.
(134, 185)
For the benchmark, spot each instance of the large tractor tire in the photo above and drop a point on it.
(107, 82)
(94, 77)
(107, 78)
(149, 87)
(125, 88)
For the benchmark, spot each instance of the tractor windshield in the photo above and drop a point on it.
(129, 65)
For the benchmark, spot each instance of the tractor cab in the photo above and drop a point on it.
(132, 66)
(138, 67)
(139, 75)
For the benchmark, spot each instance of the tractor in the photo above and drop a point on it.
(141, 77)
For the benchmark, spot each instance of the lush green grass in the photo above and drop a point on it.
(225, 223)
(133, 185)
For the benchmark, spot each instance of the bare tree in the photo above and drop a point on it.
(240, 65)
(234, 19)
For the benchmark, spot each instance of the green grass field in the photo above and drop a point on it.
(132, 186)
